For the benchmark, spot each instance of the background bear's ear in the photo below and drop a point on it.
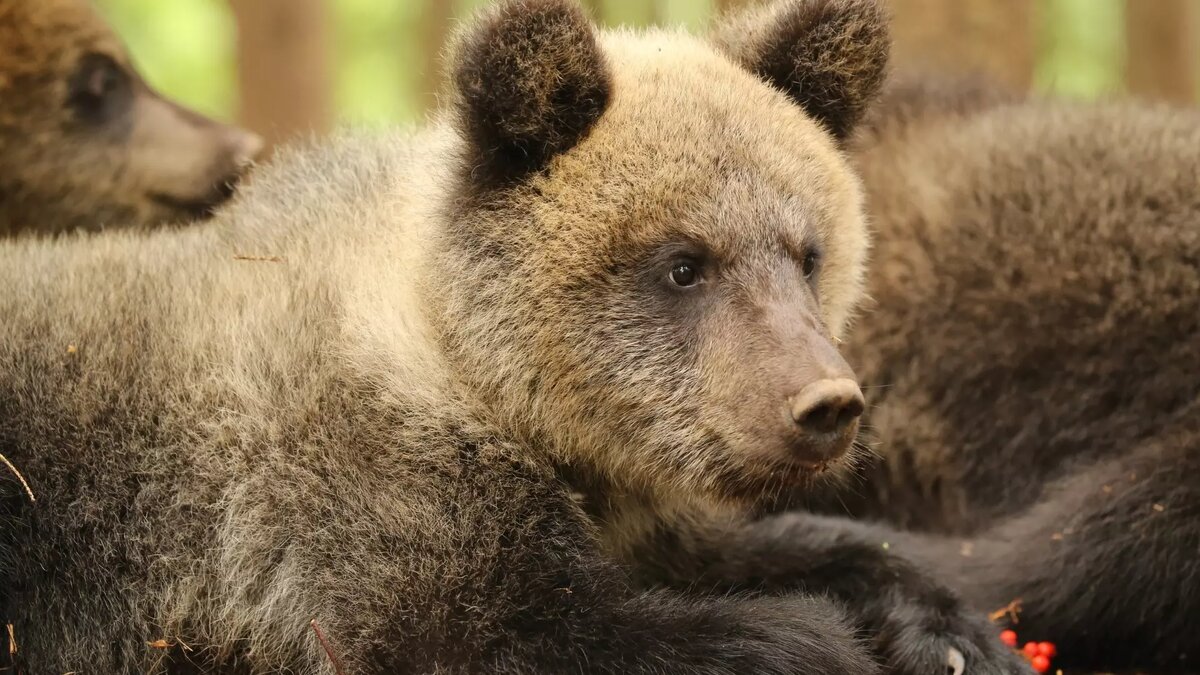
(830, 56)
(531, 81)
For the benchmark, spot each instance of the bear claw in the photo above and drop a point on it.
(955, 661)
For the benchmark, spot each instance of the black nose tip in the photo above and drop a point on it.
(827, 406)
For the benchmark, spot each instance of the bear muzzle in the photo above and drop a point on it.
(825, 414)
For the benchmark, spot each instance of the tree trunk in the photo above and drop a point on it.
(992, 38)
(435, 29)
(284, 70)
(1163, 56)
(726, 6)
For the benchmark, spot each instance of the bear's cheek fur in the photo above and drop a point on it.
(668, 395)
(54, 156)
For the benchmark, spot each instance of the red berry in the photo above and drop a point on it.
(1047, 649)
(1009, 637)
(1030, 649)
(1040, 663)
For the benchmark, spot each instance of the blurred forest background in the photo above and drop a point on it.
(284, 67)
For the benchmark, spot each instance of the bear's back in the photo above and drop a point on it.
(243, 332)
(1034, 290)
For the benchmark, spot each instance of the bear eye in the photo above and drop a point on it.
(99, 89)
(809, 265)
(685, 273)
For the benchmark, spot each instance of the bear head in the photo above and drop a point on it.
(655, 241)
(86, 143)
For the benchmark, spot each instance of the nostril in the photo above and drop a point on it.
(828, 406)
(227, 188)
(822, 418)
(852, 410)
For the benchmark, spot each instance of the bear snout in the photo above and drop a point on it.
(824, 417)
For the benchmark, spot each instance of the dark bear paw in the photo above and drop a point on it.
(915, 641)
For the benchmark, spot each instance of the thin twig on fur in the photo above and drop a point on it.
(258, 258)
(24, 484)
(1011, 610)
(337, 666)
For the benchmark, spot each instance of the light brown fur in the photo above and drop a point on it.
(387, 428)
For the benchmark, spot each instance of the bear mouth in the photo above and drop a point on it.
(796, 473)
(196, 209)
(767, 479)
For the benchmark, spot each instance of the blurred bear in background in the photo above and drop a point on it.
(86, 144)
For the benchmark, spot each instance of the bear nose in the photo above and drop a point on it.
(827, 406)
(245, 147)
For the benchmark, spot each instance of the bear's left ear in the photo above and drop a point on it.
(830, 56)
(531, 82)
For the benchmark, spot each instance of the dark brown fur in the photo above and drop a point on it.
(531, 85)
(1032, 348)
(836, 83)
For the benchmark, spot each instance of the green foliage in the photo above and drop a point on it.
(183, 47)
(373, 40)
(1082, 47)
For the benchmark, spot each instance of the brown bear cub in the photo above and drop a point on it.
(85, 144)
(1033, 360)
(480, 403)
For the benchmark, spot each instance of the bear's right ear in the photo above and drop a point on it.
(830, 56)
(531, 81)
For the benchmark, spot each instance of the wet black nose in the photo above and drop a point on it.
(827, 406)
